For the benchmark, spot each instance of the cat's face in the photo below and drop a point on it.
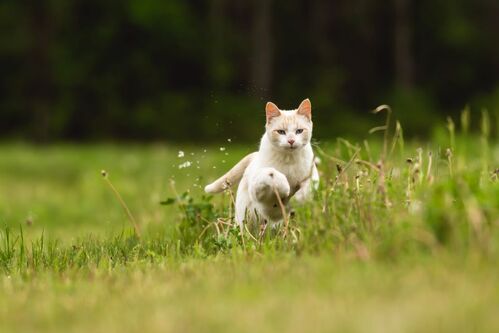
(289, 130)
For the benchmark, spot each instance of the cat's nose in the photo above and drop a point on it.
(291, 141)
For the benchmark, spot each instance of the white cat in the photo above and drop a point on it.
(285, 161)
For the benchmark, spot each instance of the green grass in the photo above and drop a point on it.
(384, 247)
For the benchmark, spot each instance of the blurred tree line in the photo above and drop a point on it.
(198, 70)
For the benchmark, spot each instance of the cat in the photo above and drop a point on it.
(284, 162)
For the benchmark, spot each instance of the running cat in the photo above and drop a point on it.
(284, 162)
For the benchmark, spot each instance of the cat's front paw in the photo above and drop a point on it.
(278, 181)
(266, 181)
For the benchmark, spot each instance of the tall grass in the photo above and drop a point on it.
(382, 200)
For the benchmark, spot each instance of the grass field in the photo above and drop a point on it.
(401, 237)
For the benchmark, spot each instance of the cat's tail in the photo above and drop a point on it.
(231, 178)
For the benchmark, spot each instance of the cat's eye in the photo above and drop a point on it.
(281, 132)
(299, 131)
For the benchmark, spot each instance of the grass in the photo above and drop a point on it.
(401, 236)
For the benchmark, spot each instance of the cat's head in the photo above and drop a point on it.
(289, 129)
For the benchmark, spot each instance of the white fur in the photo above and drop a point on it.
(287, 167)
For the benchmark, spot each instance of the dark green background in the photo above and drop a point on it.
(179, 70)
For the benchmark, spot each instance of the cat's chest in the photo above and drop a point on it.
(296, 170)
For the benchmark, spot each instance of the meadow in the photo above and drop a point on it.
(402, 236)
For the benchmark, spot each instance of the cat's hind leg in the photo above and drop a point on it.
(243, 202)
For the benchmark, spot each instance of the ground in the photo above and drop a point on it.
(391, 243)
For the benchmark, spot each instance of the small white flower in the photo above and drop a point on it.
(222, 148)
(180, 154)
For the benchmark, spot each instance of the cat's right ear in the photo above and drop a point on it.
(272, 111)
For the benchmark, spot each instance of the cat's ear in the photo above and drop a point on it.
(272, 111)
(305, 109)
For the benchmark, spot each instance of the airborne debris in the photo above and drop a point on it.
(186, 164)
